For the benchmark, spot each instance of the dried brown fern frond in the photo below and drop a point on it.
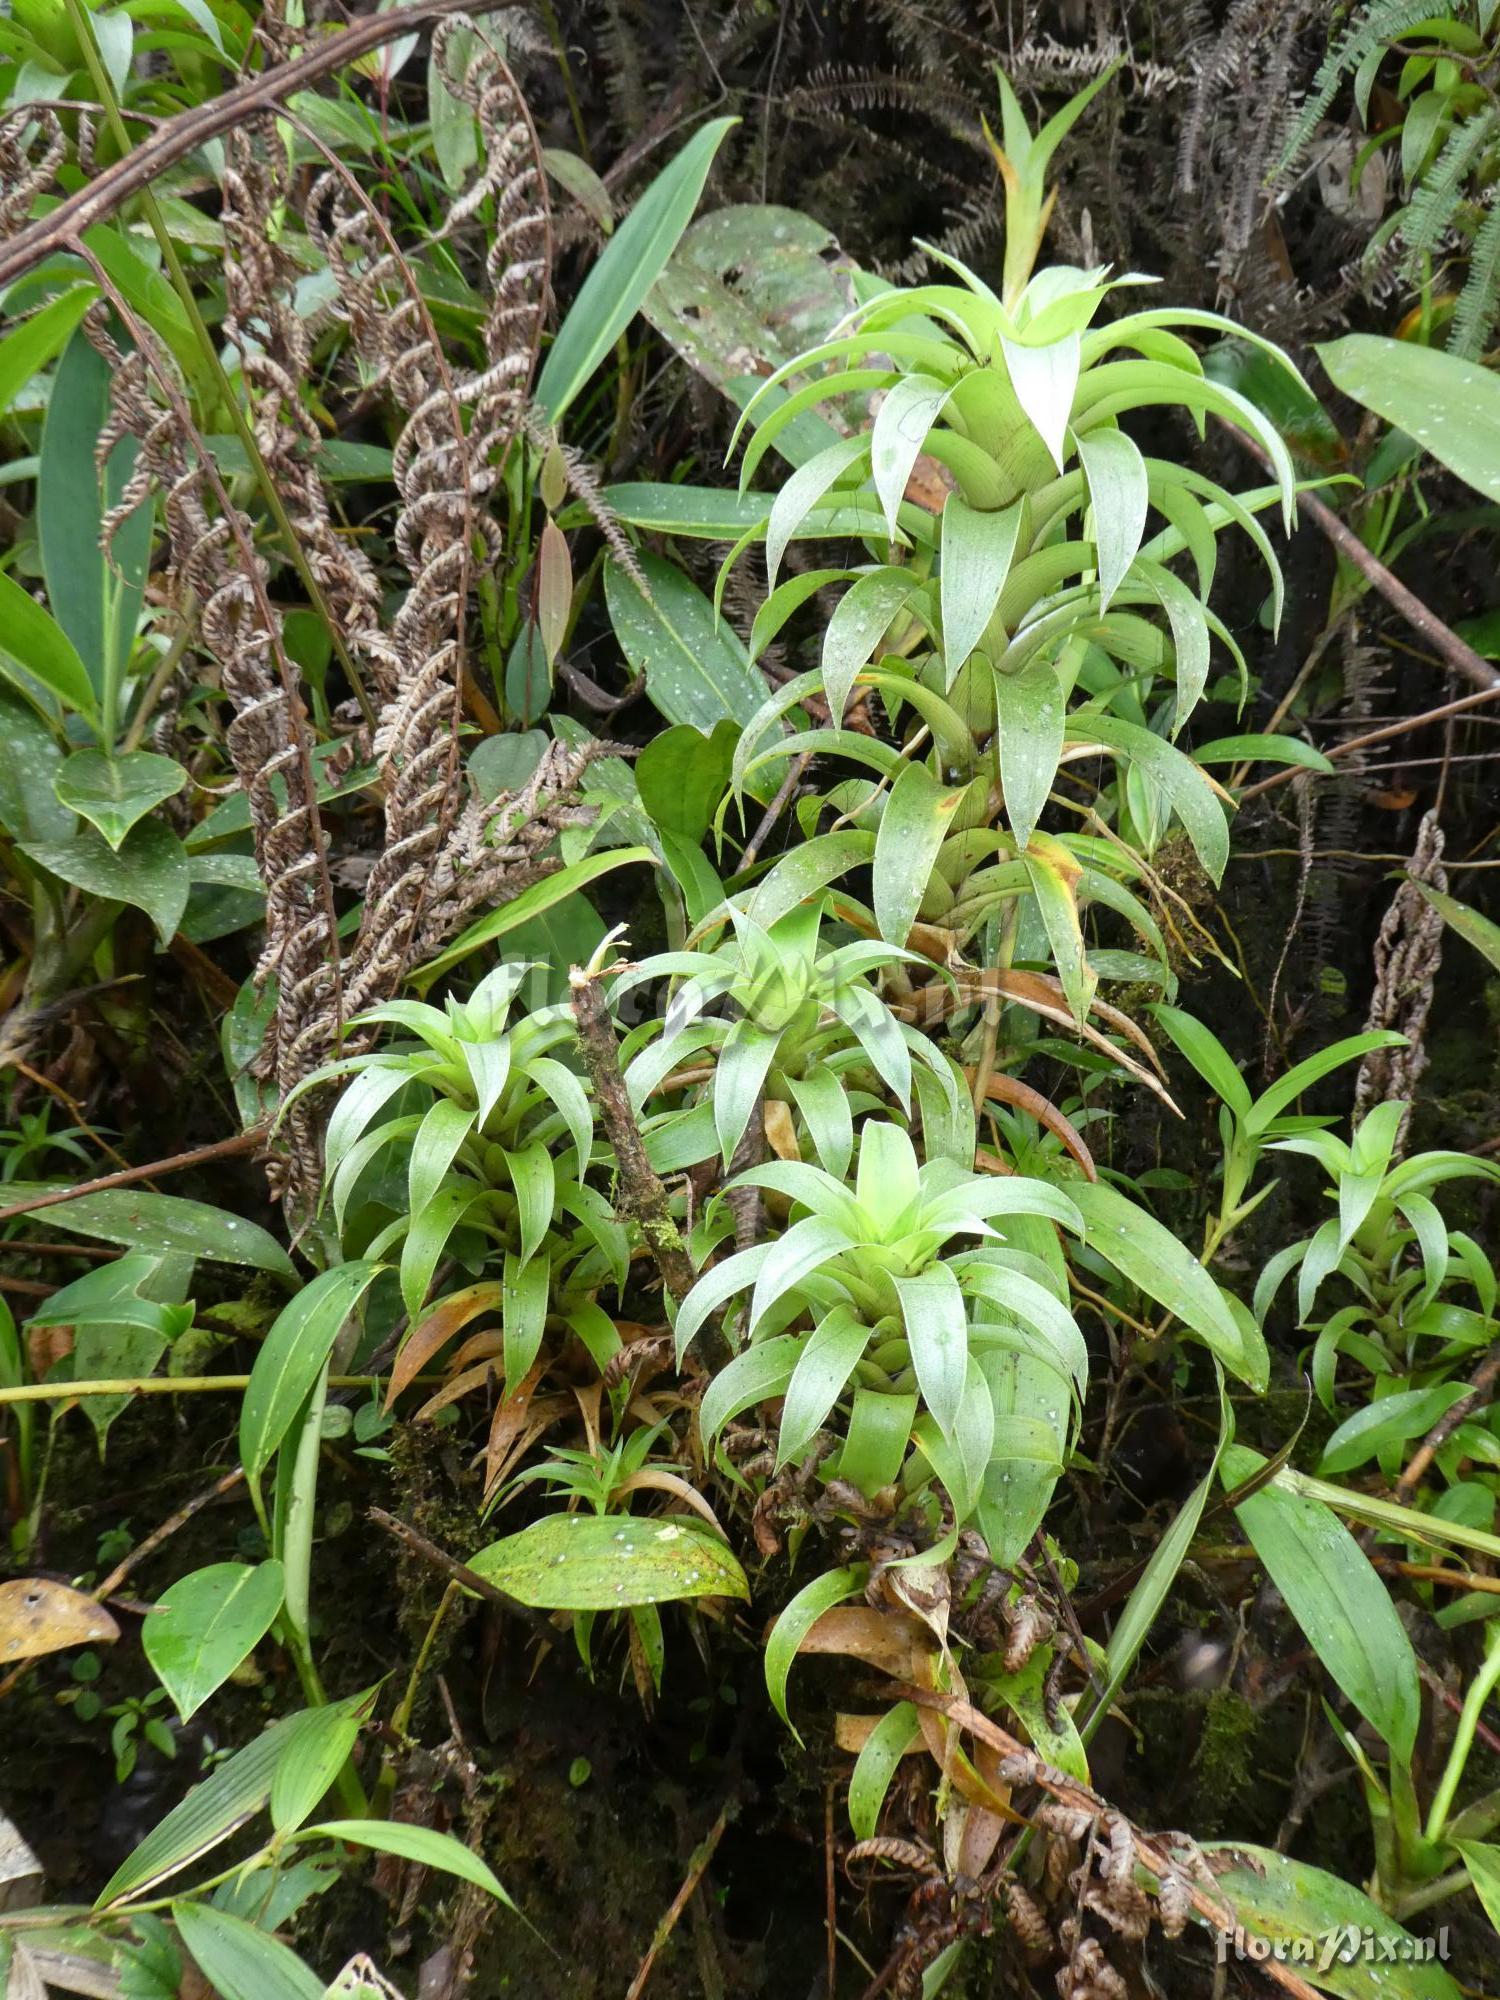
(446, 460)
(444, 851)
(583, 484)
(1408, 952)
(214, 556)
(274, 343)
(32, 148)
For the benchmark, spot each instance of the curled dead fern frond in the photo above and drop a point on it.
(274, 343)
(213, 552)
(583, 484)
(32, 148)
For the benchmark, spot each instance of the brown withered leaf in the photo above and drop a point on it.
(781, 1131)
(439, 1327)
(1043, 996)
(895, 1642)
(1010, 1090)
(38, 1616)
(460, 1385)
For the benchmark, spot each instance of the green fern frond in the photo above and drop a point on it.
(1364, 37)
(1440, 192)
(1479, 303)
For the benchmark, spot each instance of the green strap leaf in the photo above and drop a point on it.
(293, 1355)
(422, 1844)
(32, 640)
(1151, 1257)
(887, 1743)
(1030, 711)
(932, 1307)
(1118, 493)
(1336, 1597)
(633, 259)
(859, 622)
(794, 1624)
(828, 1359)
(239, 1960)
(912, 829)
(978, 549)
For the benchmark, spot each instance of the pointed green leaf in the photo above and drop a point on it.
(114, 792)
(1336, 1597)
(293, 1355)
(606, 1562)
(912, 829)
(794, 1624)
(206, 1623)
(632, 261)
(1117, 483)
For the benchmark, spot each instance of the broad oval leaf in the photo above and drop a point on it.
(1450, 406)
(239, 1960)
(206, 1623)
(695, 665)
(149, 871)
(1326, 1921)
(139, 1219)
(608, 1562)
(114, 792)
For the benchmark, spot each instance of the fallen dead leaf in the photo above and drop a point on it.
(38, 1616)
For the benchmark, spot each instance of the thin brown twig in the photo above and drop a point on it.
(176, 137)
(460, 1572)
(221, 1149)
(1442, 638)
(1391, 729)
(1443, 1573)
(137, 1555)
(703, 1853)
(20, 1246)
(1480, 1383)
(830, 1894)
(164, 1533)
(776, 808)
